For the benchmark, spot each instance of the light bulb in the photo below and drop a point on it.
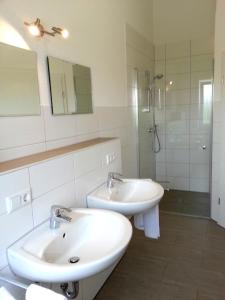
(65, 33)
(34, 30)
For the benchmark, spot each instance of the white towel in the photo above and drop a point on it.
(149, 222)
(5, 294)
(37, 292)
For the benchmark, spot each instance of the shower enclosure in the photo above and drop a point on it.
(146, 118)
(175, 125)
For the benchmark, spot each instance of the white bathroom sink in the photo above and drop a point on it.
(130, 197)
(97, 237)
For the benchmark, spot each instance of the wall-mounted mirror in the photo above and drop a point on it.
(19, 90)
(70, 87)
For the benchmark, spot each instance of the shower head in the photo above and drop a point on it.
(158, 76)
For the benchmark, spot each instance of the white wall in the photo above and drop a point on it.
(218, 171)
(97, 39)
(97, 30)
(180, 20)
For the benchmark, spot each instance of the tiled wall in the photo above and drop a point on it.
(140, 58)
(183, 125)
(83, 171)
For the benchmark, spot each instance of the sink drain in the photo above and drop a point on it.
(74, 259)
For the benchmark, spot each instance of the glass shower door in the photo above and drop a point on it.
(147, 163)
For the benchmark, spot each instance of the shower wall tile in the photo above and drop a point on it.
(198, 127)
(198, 170)
(178, 66)
(177, 156)
(200, 156)
(177, 169)
(160, 52)
(177, 141)
(179, 81)
(161, 169)
(185, 121)
(178, 97)
(178, 183)
(201, 112)
(202, 46)
(180, 112)
(160, 67)
(201, 63)
(199, 185)
(177, 50)
(177, 127)
(161, 156)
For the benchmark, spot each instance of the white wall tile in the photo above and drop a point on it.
(202, 63)
(160, 52)
(48, 175)
(10, 231)
(177, 141)
(198, 127)
(177, 155)
(178, 183)
(202, 46)
(178, 97)
(129, 161)
(177, 127)
(11, 184)
(16, 152)
(177, 169)
(179, 112)
(87, 160)
(199, 170)
(21, 131)
(92, 284)
(59, 127)
(199, 185)
(178, 66)
(64, 195)
(177, 50)
(87, 123)
(200, 156)
(160, 169)
(87, 183)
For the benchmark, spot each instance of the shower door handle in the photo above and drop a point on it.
(150, 130)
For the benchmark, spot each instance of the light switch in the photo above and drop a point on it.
(17, 200)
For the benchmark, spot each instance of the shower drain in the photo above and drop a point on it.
(74, 259)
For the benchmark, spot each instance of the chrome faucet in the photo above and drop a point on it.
(58, 216)
(113, 176)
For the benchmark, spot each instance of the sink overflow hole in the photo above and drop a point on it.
(64, 235)
(74, 259)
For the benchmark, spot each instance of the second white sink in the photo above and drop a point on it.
(130, 197)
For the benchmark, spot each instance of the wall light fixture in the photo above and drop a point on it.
(37, 29)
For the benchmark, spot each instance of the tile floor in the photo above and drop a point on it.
(186, 263)
(184, 202)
